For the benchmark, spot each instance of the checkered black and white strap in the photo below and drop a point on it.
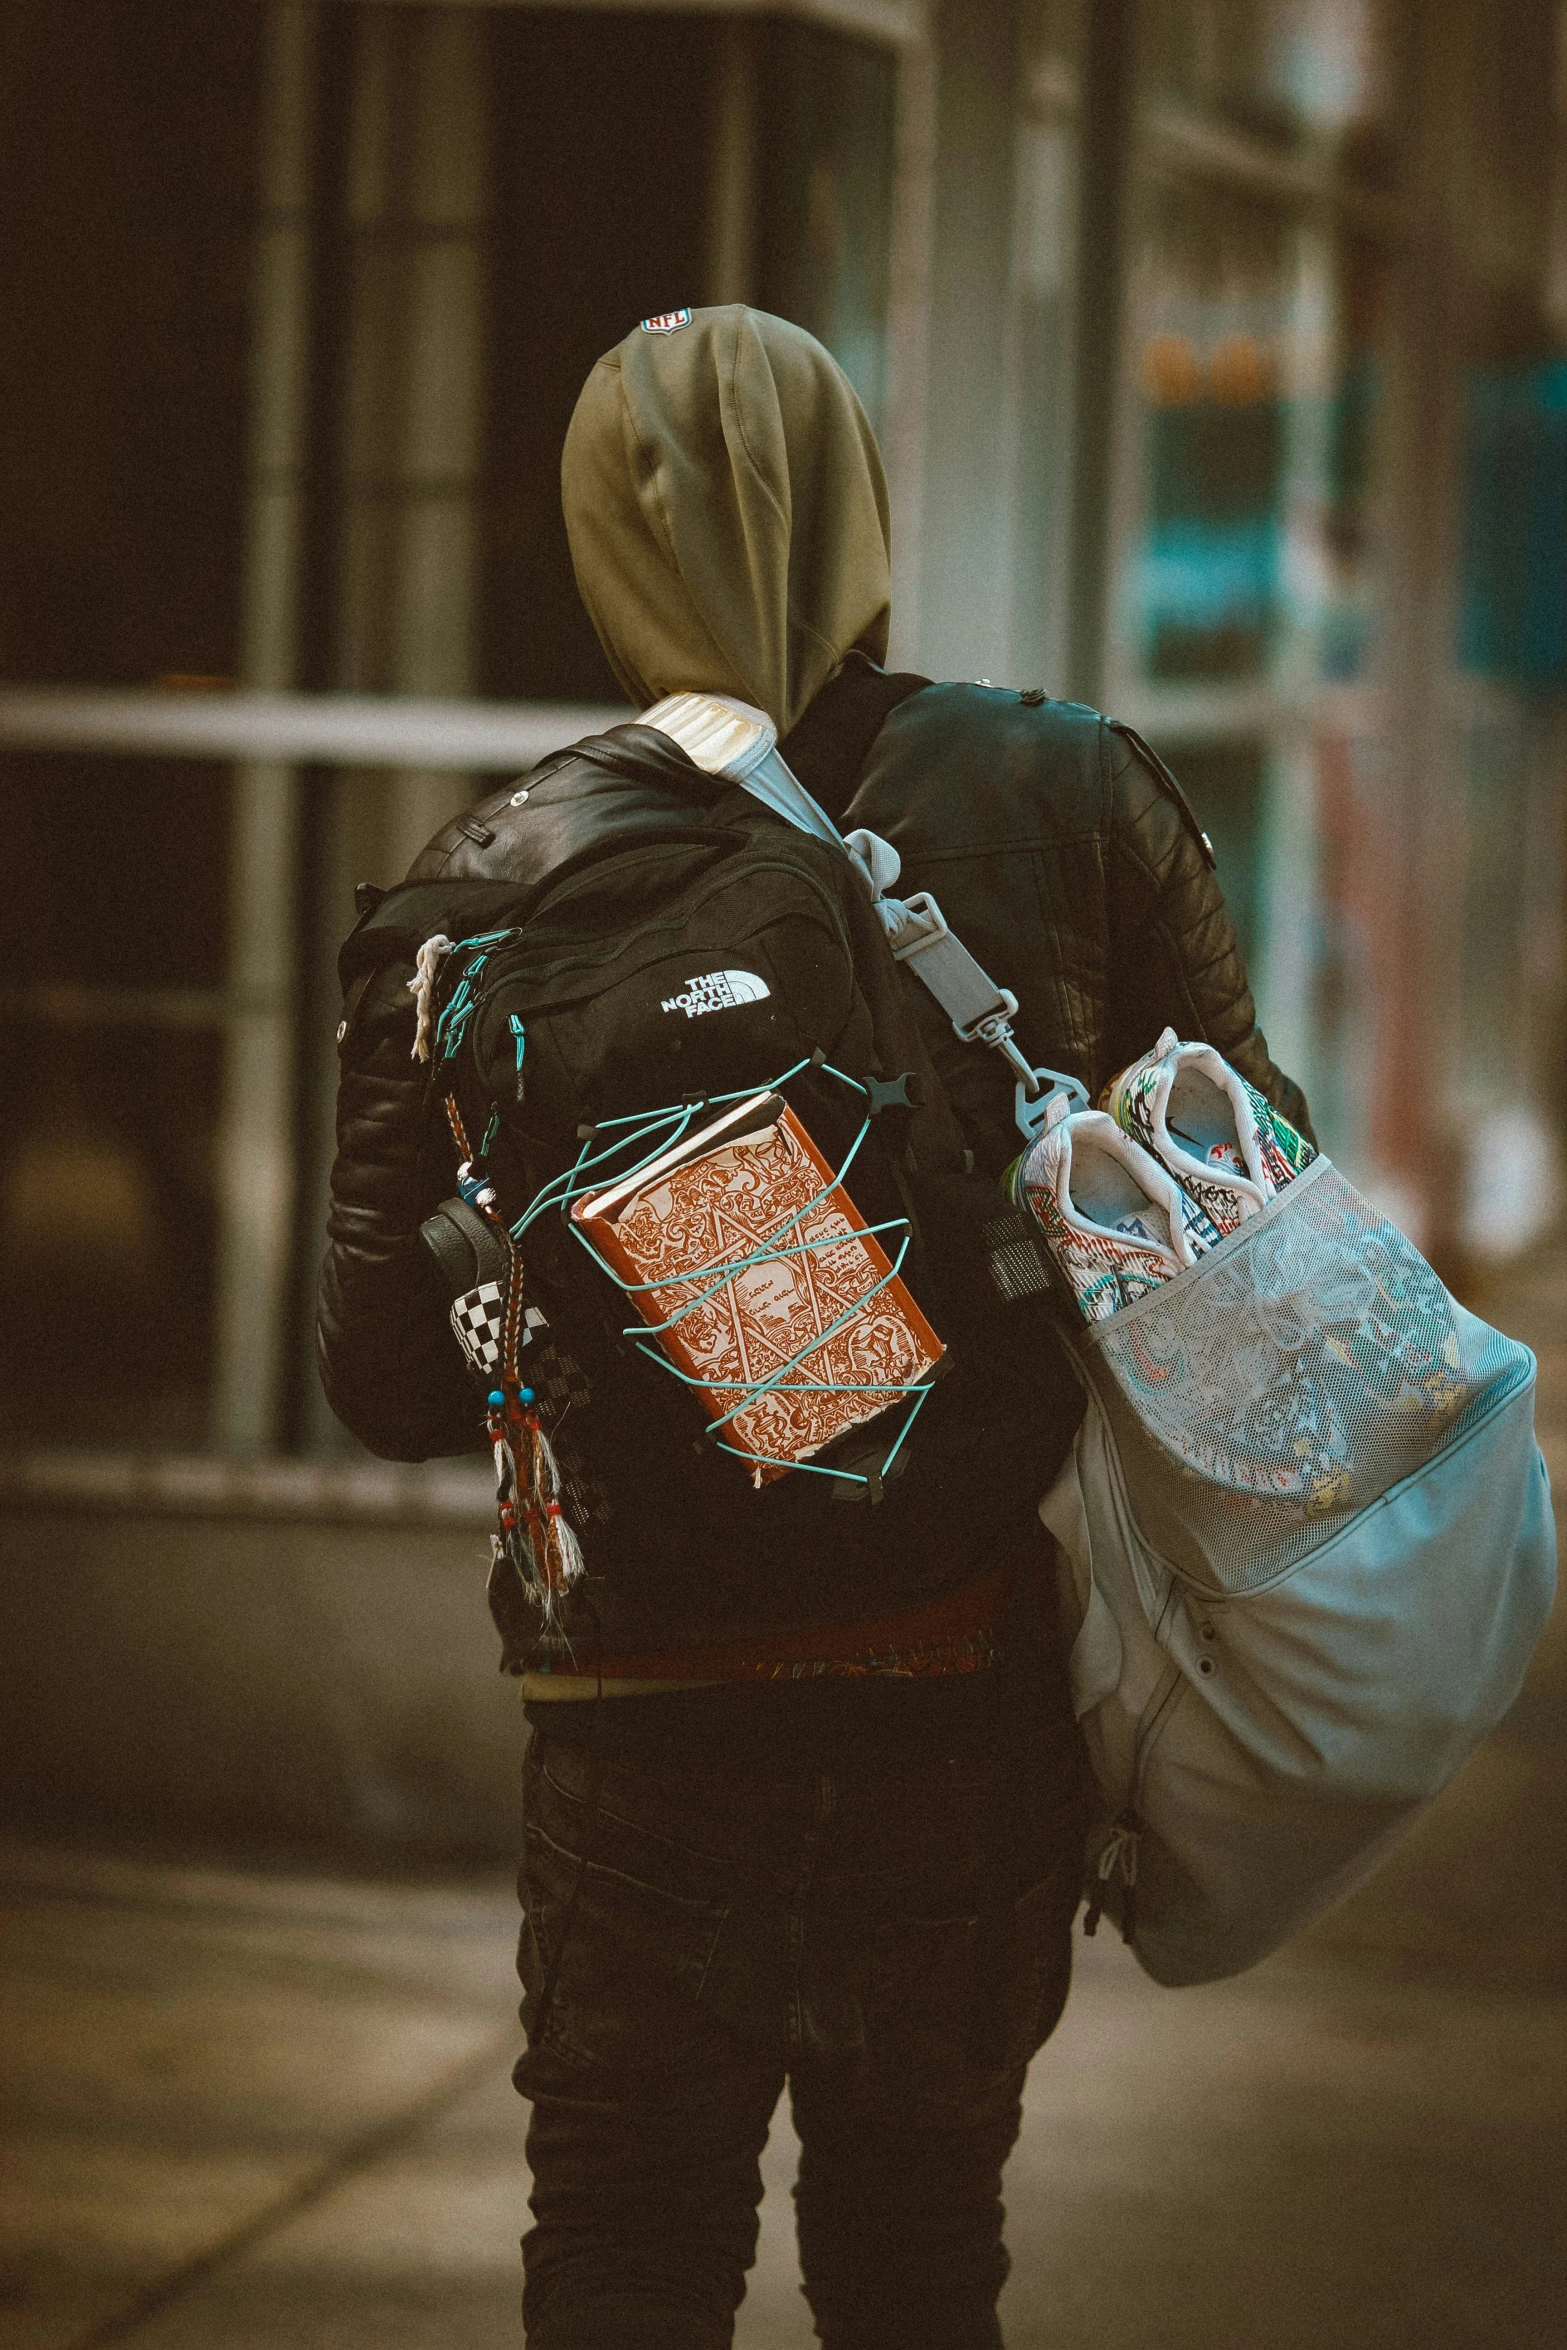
(479, 1318)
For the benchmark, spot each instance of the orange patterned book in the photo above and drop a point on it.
(723, 1195)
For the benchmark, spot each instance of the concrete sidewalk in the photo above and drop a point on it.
(249, 2110)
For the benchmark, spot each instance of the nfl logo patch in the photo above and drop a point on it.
(664, 322)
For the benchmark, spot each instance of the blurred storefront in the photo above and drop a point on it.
(1215, 350)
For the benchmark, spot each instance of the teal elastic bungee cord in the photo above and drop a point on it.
(755, 1388)
(723, 1273)
(452, 1025)
(656, 1132)
(852, 1476)
(563, 1189)
(680, 1115)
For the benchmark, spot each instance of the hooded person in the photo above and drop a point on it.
(727, 514)
(839, 1851)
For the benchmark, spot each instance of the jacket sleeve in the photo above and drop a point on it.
(390, 1364)
(1174, 957)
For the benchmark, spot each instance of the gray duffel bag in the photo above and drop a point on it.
(1307, 1549)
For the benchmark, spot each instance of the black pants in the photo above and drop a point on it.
(800, 1886)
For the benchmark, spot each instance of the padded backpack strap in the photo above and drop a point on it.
(730, 738)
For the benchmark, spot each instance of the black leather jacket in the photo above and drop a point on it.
(1060, 850)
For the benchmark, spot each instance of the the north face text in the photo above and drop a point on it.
(718, 991)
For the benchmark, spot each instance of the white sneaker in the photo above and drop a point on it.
(1227, 1148)
(1113, 1219)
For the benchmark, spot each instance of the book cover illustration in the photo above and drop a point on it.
(727, 1194)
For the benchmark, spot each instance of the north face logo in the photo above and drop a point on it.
(718, 991)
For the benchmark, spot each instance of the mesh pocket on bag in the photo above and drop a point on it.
(1281, 1385)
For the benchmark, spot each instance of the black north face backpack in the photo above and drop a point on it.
(571, 1028)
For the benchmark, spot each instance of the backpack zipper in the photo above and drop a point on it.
(1119, 1853)
(589, 961)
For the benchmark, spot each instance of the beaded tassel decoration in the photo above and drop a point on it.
(534, 1535)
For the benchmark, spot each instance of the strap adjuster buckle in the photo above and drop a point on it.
(981, 1012)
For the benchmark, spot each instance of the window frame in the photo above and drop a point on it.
(293, 752)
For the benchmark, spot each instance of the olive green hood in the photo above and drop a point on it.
(727, 512)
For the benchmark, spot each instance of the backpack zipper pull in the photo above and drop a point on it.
(1118, 1857)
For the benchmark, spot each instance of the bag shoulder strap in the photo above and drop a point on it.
(980, 1011)
(730, 738)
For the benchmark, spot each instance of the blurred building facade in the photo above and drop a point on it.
(1215, 347)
